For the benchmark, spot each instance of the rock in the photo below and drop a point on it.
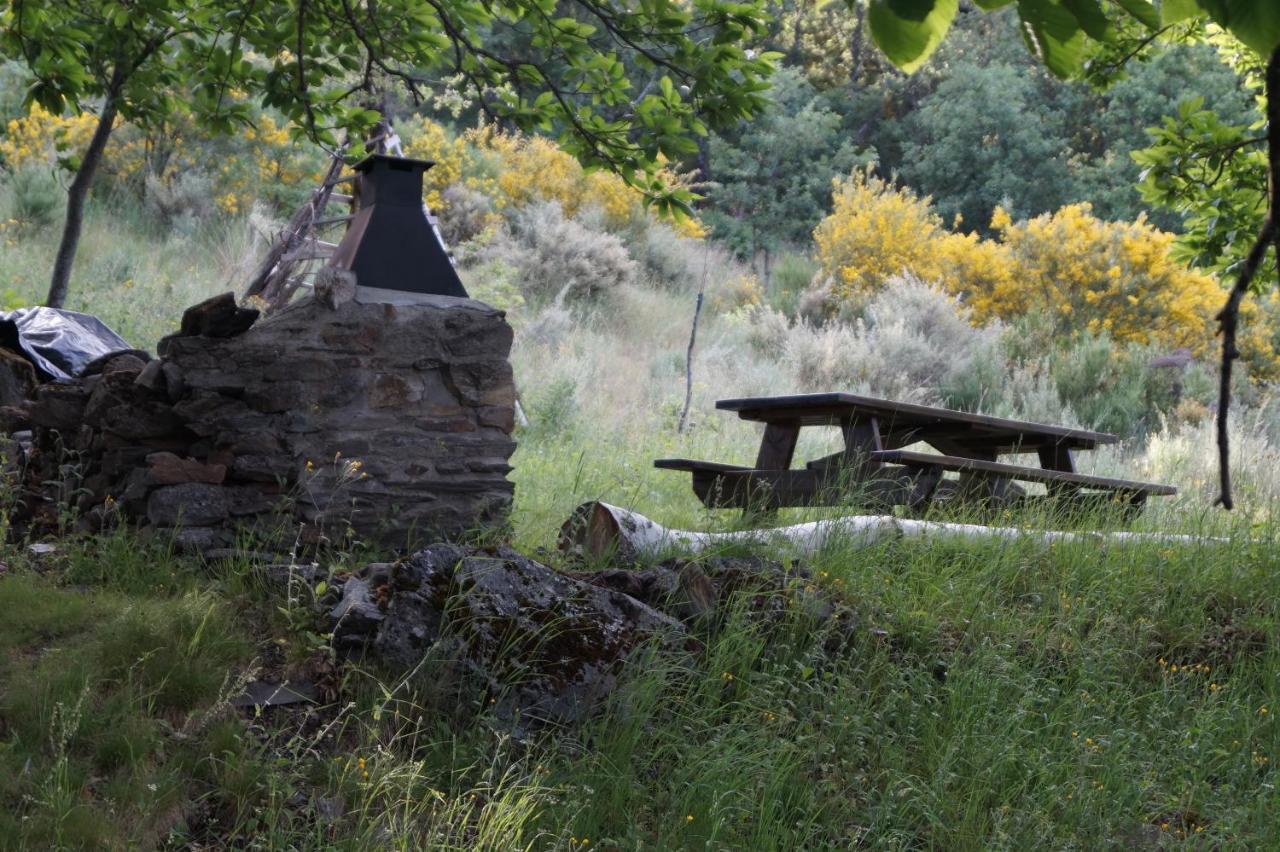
(200, 540)
(219, 316)
(151, 378)
(262, 468)
(546, 647)
(169, 469)
(174, 382)
(60, 406)
(130, 360)
(357, 616)
(15, 418)
(690, 590)
(12, 460)
(284, 575)
(17, 378)
(191, 504)
(125, 363)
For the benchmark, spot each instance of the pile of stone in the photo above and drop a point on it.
(327, 417)
(494, 630)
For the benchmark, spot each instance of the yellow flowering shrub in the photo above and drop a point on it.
(427, 140)
(515, 171)
(1109, 276)
(39, 137)
(261, 162)
(875, 232)
(981, 272)
(1085, 274)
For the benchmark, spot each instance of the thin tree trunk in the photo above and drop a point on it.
(688, 358)
(1229, 315)
(77, 194)
(856, 43)
(688, 366)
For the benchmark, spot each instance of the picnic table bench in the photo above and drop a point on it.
(875, 463)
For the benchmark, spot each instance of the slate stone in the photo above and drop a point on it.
(60, 405)
(191, 504)
(169, 469)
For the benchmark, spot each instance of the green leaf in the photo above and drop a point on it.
(1090, 17)
(1054, 35)
(1254, 22)
(909, 30)
(992, 5)
(1142, 11)
(1173, 11)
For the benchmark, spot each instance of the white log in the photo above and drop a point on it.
(603, 531)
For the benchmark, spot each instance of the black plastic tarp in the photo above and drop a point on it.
(59, 343)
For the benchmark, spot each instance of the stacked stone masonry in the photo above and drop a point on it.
(392, 421)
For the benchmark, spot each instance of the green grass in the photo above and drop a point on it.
(987, 696)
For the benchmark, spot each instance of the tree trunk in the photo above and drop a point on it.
(599, 531)
(77, 194)
(1229, 316)
(857, 41)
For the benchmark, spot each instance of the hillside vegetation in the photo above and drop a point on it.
(866, 235)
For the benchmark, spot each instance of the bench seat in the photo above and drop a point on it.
(694, 466)
(913, 459)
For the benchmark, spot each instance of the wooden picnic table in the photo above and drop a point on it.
(874, 459)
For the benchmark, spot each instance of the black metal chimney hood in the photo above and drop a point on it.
(390, 245)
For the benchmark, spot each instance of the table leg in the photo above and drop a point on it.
(996, 490)
(778, 446)
(861, 438)
(1058, 457)
(777, 449)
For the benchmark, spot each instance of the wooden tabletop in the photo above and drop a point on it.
(908, 422)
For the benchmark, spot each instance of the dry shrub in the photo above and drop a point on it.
(556, 257)
(913, 343)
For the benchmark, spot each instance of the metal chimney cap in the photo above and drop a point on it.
(400, 163)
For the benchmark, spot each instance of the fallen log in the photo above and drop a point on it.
(599, 530)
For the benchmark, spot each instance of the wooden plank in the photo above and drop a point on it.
(757, 489)
(695, 465)
(834, 408)
(1011, 471)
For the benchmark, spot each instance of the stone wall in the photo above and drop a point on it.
(393, 419)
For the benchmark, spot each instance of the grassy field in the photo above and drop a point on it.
(991, 696)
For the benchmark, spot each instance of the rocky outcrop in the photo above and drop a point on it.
(388, 421)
